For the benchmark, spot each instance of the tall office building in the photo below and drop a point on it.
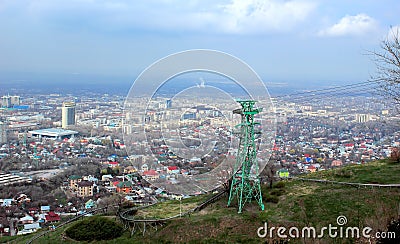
(9, 101)
(68, 114)
(16, 100)
(3, 133)
(168, 103)
(6, 101)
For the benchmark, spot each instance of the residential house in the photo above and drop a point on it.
(144, 167)
(73, 181)
(336, 163)
(130, 170)
(106, 179)
(45, 209)
(26, 220)
(311, 168)
(124, 187)
(23, 198)
(185, 172)
(150, 175)
(172, 170)
(29, 228)
(90, 204)
(6, 202)
(52, 217)
(85, 188)
(113, 164)
(91, 178)
(349, 146)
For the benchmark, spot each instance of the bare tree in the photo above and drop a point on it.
(395, 155)
(269, 173)
(387, 61)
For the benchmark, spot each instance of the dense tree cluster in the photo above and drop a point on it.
(94, 228)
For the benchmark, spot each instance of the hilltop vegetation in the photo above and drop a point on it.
(295, 203)
(94, 228)
(378, 172)
(289, 203)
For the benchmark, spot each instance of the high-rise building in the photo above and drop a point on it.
(68, 114)
(6, 101)
(3, 133)
(16, 100)
(362, 118)
(168, 103)
(9, 101)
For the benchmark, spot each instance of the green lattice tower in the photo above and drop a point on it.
(245, 183)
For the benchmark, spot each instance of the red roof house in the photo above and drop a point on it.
(52, 217)
(150, 174)
(173, 170)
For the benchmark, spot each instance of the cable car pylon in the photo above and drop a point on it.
(245, 183)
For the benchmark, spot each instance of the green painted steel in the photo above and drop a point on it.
(245, 183)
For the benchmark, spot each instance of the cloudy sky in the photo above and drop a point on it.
(282, 40)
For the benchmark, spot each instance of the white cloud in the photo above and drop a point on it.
(248, 16)
(228, 16)
(233, 16)
(356, 25)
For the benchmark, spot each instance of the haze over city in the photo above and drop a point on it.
(286, 42)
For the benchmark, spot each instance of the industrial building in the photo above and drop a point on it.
(9, 179)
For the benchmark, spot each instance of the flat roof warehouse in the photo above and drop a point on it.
(53, 133)
(9, 179)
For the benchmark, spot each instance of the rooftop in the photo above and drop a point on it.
(85, 183)
(124, 184)
(53, 132)
(74, 177)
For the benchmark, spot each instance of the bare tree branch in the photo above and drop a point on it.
(387, 62)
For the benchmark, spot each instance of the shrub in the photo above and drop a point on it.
(280, 184)
(278, 192)
(344, 173)
(127, 204)
(393, 227)
(271, 198)
(94, 229)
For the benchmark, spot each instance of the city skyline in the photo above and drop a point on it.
(159, 121)
(283, 41)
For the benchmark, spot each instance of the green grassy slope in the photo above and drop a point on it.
(292, 203)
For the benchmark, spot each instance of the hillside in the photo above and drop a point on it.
(290, 203)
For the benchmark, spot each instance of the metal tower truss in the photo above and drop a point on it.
(245, 183)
